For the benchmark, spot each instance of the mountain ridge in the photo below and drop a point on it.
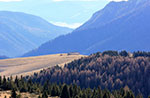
(21, 32)
(128, 31)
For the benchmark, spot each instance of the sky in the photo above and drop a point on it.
(67, 13)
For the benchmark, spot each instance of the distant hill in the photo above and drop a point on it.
(21, 32)
(110, 69)
(3, 57)
(118, 26)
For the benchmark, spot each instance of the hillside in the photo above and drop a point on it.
(21, 32)
(118, 26)
(110, 69)
(26, 66)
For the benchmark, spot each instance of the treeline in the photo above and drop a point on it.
(62, 90)
(125, 53)
(110, 69)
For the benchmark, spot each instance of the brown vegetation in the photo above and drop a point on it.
(107, 71)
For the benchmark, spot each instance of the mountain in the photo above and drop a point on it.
(21, 32)
(118, 26)
(3, 57)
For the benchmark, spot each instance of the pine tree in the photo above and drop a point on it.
(129, 95)
(16, 81)
(39, 96)
(75, 90)
(99, 92)
(71, 91)
(106, 94)
(123, 53)
(65, 92)
(44, 95)
(4, 83)
(53, 92)
(84, 95)
(0, 81)
(13, 94)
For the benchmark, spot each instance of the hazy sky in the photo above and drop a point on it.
(70, 13)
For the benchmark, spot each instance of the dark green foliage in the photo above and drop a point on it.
(0, 81)
(65, 92)
(141, 54)
(39, 96)
(106, 94)
(4, 85)
(44, 95)
(71, 90)
(124, 53)
(13, 94)
(110, 53)
(129, 95)
(55, 90)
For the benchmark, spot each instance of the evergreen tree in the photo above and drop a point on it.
(99, 92)
(84, 95)
(75, 90)
(39, 96)
(4, 83)
(94, 93)
(106, 94)
(44, 95)
(65, 92)
(55, 91)
(129, 95)
(123, 53)
(16, 81)
(13, 94)
(0, 81)
(71, 91)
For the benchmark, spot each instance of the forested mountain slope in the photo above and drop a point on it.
(110, 69)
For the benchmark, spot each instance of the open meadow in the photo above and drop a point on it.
(29, 65)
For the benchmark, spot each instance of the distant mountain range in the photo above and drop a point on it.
(20, 32)
(118, 26)
(3, 57)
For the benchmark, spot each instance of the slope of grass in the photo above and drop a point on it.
(26, 66)
(23, 95)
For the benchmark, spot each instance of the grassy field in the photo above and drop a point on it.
(29, 65)
(23, 95)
